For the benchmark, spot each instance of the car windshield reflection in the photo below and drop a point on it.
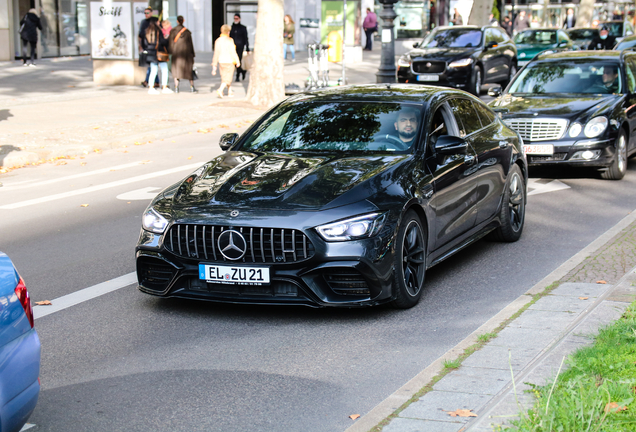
(552, 78)
(453, 38)
(339, 126)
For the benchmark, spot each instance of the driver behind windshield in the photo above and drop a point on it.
(610, 78)
(406, 124)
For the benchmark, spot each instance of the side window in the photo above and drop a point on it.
(630, 72)
(499, 36)
(438, 127)
(485, 114)
(466, 116)
(504, 36)
(562, 37)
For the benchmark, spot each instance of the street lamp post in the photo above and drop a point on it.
(386, 71)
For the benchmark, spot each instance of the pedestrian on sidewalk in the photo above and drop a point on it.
(182, 50)
(370, 26)
(157, 48)
(226, 56)
(143, 25)
(238, 33)
(289, 28)
(29, 25)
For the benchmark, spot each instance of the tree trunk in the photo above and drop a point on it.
(584, 16)
(480, 12)
(266, 77)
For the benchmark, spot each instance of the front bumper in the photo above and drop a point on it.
(450, 77)
(341, 274)
(571, 152)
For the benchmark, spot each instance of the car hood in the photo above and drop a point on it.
(526, 52)
(574, 107)
(283, 181)
(441, 54)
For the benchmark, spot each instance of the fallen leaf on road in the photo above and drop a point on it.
(84, 205)
(224, 126)
(462, 413)
(96, 127)
(138, 143)
(203, 131)
(614, 407)
(82, 163)
(602, 282)
(44, 303)
(189, 157)
(70, 86)
(61, 163)
(583, 298)
(145, 162)
(97, 150)
(354, 416)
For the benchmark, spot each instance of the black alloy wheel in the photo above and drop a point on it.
(619, 167)
(476, 80)
(410, 262)
(513, 208)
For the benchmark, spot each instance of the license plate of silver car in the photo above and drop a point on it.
(428, 77)
(539, 150)
(234, 274)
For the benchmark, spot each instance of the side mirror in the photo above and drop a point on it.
(563, 44)
(227, 140)
(494, 91)
(491, 44)
(416, 45)
(450, 145)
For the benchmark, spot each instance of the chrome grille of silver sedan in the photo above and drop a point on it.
(538, 129)
(264, 245)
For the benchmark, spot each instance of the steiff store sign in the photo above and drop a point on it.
(111, 30)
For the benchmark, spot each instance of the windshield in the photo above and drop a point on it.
(552, 77)
(538, 37)
(615, 28)
(583, 34)
(341, 126)
(453, 38)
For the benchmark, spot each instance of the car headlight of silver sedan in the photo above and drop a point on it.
(595, 127)
(154, 222)
(354, 228)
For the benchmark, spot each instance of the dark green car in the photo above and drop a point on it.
(532, 41)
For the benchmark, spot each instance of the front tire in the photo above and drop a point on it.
(513, 208)
(512, 71)
(619, 166)
(476, 80)
(409, 266)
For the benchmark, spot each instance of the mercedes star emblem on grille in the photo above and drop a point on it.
(428, 65)
(234, 213)
(232, 245)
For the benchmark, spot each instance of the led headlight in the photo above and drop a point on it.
(404, 61)
(595, 127)
(354, 228)
(460, 63)
(575, 130)
(154, 222)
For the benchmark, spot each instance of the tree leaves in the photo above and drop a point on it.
(354, 416)
(43, 303)
(461, 413)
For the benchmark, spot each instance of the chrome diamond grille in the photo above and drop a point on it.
(264, 245)
(538, 129)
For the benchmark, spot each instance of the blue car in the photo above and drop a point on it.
(19, 350)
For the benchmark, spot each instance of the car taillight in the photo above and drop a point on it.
(25, 300)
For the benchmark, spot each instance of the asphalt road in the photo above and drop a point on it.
(127, 361)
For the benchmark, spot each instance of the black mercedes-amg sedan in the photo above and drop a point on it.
(340, 197)
(463, 57)
(575, 108)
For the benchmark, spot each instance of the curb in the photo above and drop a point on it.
(401, 396)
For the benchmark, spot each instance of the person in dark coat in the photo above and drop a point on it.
(143, 25)
(604, 41)
(29, 26)
(152, 43)
(182, 50)
(239, 34)
(570, 20)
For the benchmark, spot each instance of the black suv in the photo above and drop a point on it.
(463, 57)
(574, 108)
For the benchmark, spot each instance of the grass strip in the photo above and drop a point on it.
(597, 391)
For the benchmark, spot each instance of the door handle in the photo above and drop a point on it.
(469, 159)
(503, 144)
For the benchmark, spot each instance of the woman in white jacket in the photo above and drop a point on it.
(225, 55)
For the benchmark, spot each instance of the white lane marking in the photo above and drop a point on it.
(139, 194)
(539, 186)
(85, 294)
(32, 183)
(99, 187)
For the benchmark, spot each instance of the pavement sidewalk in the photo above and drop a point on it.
(559, 315)
(55, 110)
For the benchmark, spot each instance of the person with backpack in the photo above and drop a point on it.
(157, 55)
(29, 26)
